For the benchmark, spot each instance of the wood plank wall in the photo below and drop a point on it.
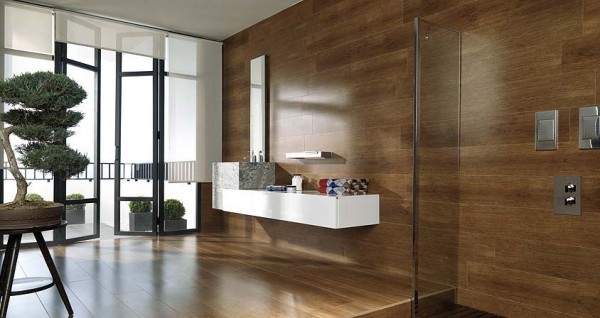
(340, 75)
(341, 80)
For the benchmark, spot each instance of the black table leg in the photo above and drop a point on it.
(12, 253)
(55, 276)
(5, 262)
(9, 247)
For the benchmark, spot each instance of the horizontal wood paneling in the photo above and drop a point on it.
(341, 79)
(557, 260)
(538, 290)
(531, 224)
(510, 308)
(591, 16)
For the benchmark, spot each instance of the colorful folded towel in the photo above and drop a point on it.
(342, 190)
(341, 182)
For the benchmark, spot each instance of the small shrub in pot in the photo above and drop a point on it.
(174, 212)
(75, 212)
(140, 216)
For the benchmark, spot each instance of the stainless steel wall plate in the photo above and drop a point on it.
(589, 127)
(546, 130)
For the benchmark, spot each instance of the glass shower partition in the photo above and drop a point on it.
(436, 167)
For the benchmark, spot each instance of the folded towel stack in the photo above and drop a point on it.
(343, 186)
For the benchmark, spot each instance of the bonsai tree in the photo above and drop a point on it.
(140, 206)
(174, 209)
(42, 117)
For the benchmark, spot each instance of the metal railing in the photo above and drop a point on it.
(107, 172)
(174, 171)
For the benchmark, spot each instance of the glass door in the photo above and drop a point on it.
(436, 166)
(137, 178)
(81, 193)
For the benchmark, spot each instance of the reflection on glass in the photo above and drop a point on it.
(257, 108)
(438, 90)
(81, 219)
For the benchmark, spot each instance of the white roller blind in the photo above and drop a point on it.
(194, 67)
(108, 34)
(28, 28)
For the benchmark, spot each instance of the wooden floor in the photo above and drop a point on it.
(204, 276)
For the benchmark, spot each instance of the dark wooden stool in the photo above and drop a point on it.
(9, 286)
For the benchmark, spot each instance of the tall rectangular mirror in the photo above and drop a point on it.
(258, 95)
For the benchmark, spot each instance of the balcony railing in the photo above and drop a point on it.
(182, 171)
(107, 172)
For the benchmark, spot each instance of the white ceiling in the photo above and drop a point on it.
(212, 19)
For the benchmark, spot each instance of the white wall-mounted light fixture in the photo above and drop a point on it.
(309, 154)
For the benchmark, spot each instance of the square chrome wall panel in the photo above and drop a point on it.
(589, 127)
(546, 130)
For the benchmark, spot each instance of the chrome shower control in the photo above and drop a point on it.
(570, 201)
(570, 188)
(567, 195)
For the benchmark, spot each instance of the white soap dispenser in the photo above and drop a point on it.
(297, 181)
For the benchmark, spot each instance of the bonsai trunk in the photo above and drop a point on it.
(13, 166)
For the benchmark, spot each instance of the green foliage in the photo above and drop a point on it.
(75, 196)
(42, 134)
(65, 119)
(140, 206)
(41, 115)
(42, 91)
(58, 159)
(34, 197)
(174, 209)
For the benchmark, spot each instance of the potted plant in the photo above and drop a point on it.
(41, 115)
(33, 197)
(75, 212)
(174, 212)
(140, 215)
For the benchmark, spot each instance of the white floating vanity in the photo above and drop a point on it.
(309, 207)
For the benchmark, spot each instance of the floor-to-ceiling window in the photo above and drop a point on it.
(139, 118)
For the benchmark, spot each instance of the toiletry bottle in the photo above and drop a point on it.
(297, 181)
(261, 157)
(253, 157)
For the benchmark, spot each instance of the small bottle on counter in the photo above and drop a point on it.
(261, 157)
(297, 181)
